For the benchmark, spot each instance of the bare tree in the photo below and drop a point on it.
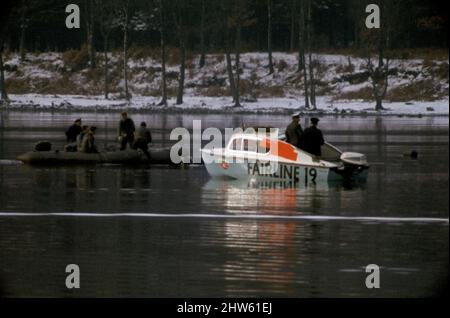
(301, 51)
(4, 95)
(90, 33)
(378, 78)
(125, 21)
(378, 40)
(163, 55)
(181, 29)
(269, 35)
(27, 12)
(293, 9)
(202, 35)
(356, 13)
(108, 14)
(312, 86)
(23, 23)
(301, 37)
(5, 19)
(239, 9)
(226, 28)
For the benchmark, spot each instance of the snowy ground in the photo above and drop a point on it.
(223, 104)
(46, 81)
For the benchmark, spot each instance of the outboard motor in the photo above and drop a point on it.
(354, 158)
(354, 165)
(43, 146)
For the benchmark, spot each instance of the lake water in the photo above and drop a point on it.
(165, 232)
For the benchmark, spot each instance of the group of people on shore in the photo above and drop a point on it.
(310, 140)
(82, 138)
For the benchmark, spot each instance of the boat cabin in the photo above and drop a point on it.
(259, 144)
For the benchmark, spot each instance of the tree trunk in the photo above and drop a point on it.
(292, 28)
(90, 34)
(312, 83)
(202, 36)
(238, 61)
(301, 39)
(381, 54)
(310, 61)
(125, 54)
(228, 59)
(302, 43)
(163, 56)
(379, 103)
(181, 38)
(4, 95)
(356, 34)
(22, 51)
(331, 28)
(182, 74)
(23, 26)
(230, 71)
(269, 35)
(106, 66)
(305, 85)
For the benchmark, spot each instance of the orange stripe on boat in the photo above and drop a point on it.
(280, 148)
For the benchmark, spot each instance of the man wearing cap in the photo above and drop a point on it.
(294, 132)
(313, 139)
(73, 131)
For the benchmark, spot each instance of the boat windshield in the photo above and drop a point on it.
(250, 145)
(236, 144)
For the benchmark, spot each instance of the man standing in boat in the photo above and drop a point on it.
(72, 134)
(294, 132)
(143, 138)
(126, 131)
(313, 139)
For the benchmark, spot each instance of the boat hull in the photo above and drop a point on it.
(158, 156)
(251, 156)
(263, 171)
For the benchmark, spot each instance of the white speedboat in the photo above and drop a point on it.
(259, 157)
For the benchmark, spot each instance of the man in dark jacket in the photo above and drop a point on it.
(313, 139)
(294, 132)
(126, 131)
(143, 138)
(73, 131)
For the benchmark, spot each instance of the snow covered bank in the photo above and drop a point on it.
(50, 81)
(326, 105)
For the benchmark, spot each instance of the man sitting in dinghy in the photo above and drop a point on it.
(84, 131)
(88, 143)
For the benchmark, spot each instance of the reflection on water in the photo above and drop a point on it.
(272, 251)
(274, 197)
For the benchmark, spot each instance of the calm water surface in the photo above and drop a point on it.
(191, 236)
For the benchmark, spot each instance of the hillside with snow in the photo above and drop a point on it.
(63, 81)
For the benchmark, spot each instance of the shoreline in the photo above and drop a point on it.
(221, 105)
